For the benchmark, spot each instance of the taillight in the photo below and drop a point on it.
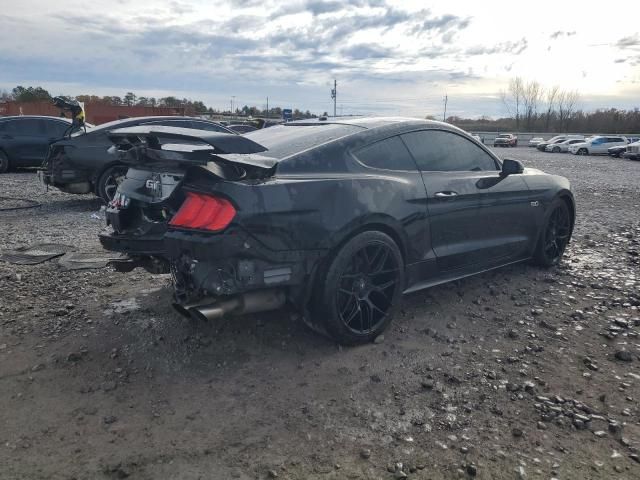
(204, 212)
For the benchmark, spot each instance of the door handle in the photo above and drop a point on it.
(445, 194)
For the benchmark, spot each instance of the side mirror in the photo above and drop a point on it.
(511, 167)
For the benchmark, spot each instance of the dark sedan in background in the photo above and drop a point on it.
(81, 163)
(24, 140)
(338, 217)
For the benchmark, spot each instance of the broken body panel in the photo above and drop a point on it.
(293, 211)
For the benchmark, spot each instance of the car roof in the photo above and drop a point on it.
(123, 121)
(45, 117)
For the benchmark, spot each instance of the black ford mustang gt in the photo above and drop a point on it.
(337, 217)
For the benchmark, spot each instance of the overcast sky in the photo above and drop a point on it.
(389, 57)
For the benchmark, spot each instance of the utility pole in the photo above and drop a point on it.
(267, 107)
(334, 95)
(233, 97)
(444, 115)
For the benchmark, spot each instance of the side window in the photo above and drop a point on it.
(210, 127)
(597, 141)
(389, 154)
(26, 127)
(55, 128)
(439, 151)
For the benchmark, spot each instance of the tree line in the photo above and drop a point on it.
(37, 94)
(534, 108)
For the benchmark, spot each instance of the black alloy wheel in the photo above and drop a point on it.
(362, 288)
(555, 236)
(583, 151)
(109, 182)
(556, 149)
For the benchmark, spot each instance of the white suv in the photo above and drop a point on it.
(597, 145)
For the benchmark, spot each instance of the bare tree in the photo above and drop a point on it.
(567, 103)
(551, 97)
(570, 105)
(513, 98)
(531, 95)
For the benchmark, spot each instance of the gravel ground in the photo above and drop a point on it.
(517, 373)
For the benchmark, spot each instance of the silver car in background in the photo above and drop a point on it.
(562, 147)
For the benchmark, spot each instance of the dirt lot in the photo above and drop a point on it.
(512, 374)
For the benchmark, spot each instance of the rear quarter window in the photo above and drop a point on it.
(389, 154)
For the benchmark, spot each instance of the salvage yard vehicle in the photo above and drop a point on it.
(632, 151)
(506, 140)
(542, 146)
(336, 217)
(81, 163)
(618, 151)
(597, 145)
(24, 140)
(535, 141)
(562, 147)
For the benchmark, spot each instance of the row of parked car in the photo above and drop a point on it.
(78, 161)
(612, 145)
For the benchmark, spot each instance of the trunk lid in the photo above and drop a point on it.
(150, 194)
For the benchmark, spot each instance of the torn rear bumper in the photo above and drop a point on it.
(210, 266)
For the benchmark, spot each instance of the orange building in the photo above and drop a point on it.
(95, 112)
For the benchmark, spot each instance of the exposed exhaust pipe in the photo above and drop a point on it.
(251, 302)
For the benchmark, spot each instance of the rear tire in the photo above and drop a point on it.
(109, 181)
(4, 162)
(360, 289)
(554, 236)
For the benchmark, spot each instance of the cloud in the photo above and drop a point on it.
(514, 48)
(445, 22)
(363, 51)
(629, 42)
(561, 33)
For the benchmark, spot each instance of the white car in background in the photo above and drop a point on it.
(563, 147)
(632, 152)
(598, 144)
(535, 141)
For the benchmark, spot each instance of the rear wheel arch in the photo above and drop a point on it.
(381, 224)
(320, 268)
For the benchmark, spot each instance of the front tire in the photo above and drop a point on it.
(554, 236)
(109, 181)
(361, 289)
(556, 150)
(583, 151)
(4, 162)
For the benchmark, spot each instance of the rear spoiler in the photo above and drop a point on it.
(157, 144)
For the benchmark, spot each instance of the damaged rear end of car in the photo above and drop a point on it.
(192, 209)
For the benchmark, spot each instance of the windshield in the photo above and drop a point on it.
(285, 140)
(503, 135)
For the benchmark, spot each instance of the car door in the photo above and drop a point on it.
(477, 216)
(26, 141)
